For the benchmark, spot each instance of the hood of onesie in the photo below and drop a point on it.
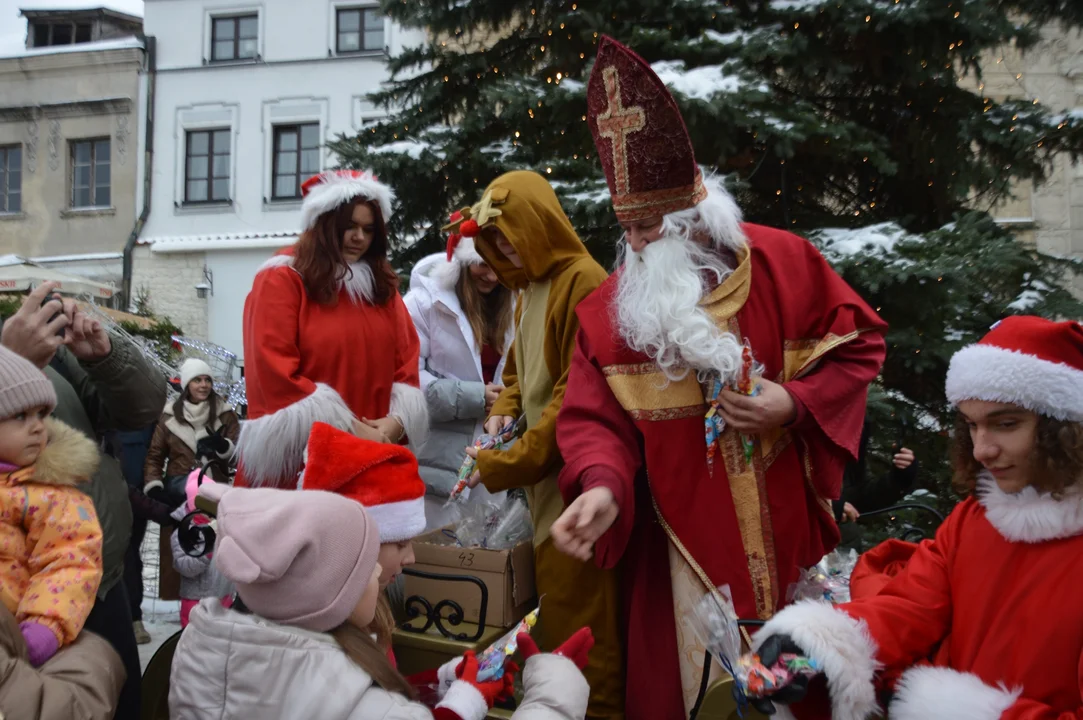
(533, 221)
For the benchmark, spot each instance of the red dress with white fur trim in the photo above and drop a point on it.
(306, 362)
(994, 602)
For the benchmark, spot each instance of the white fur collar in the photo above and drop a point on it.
(358, 283)
(1029, 516)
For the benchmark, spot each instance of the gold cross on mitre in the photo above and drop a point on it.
(616, 124)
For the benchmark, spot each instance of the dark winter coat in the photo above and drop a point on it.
(868, 495)
(119, 392)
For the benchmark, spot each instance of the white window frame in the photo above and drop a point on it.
(363, 112)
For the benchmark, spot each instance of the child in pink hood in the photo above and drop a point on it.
(199, 577)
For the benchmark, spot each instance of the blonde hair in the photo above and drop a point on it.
(490, 315)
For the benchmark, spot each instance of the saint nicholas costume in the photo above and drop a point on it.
(693, 518)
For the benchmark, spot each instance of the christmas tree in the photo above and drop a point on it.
(846, 121)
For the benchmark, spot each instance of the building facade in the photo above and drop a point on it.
(247, 95)
(69, 138)
(1048, 215)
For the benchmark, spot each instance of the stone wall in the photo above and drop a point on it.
(171, 279)
(49, 101)
(1049, 214)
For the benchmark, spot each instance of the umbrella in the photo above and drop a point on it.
(18, 274)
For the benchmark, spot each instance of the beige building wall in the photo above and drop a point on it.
(1050, 214)
(48, 100)
(170, 280)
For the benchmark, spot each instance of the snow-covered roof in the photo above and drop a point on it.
(99, 46)
(13, 30)
(127, 7)
(220, 241)
(83, 257)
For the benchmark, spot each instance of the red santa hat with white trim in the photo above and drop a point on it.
(461, 253)
(382, 477)
(324, 192)
(1027, 361)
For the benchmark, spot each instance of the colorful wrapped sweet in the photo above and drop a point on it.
(715, 622)
(748, 383)
(484, 442)
(491, 661)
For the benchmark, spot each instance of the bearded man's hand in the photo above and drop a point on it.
(749, 414)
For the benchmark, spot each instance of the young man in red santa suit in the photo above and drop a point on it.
(750, 507)
(985, 620)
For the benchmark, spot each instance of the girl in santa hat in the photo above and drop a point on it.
(326, 335)
(297, 645)
(985, 619)
(465, 320)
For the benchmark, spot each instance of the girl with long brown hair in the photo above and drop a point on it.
(327, 336)
(465, 320)
(299, 642)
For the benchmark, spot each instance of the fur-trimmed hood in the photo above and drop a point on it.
(69, 458)
(1029, 516)
(223, 407)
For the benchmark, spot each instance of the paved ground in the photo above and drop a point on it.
(160, 617)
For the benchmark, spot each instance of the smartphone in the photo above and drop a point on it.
(46, 301)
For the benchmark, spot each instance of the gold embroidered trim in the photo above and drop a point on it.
(630, 369)
(668, 414)
(654, 391)
(699, 571)
(616, 124)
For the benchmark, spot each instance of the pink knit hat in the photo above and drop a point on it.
(297, 558)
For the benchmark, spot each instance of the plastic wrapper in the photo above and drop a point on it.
(484, 442)
(491, 660)
(827, 580)
(493, 526)
(747, 383)
(715, 622)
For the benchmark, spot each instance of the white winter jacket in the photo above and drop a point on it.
(451, 374)
(229, 665)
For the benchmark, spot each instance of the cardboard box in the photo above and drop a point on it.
(507, 574)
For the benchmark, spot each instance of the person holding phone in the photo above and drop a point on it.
(102, 384)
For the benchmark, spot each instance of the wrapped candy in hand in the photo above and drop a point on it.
(747, 383)
(758, 680)
(715, 622)
(484, 442)
(491, 661)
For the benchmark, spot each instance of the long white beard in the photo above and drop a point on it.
(658, 311)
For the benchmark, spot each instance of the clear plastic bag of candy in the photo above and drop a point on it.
(828, 579)
(491, 660)
(715, 622)
(493, 526)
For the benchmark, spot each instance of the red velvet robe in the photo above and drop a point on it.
(749, 525)
(982, 622)
(307, 362)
